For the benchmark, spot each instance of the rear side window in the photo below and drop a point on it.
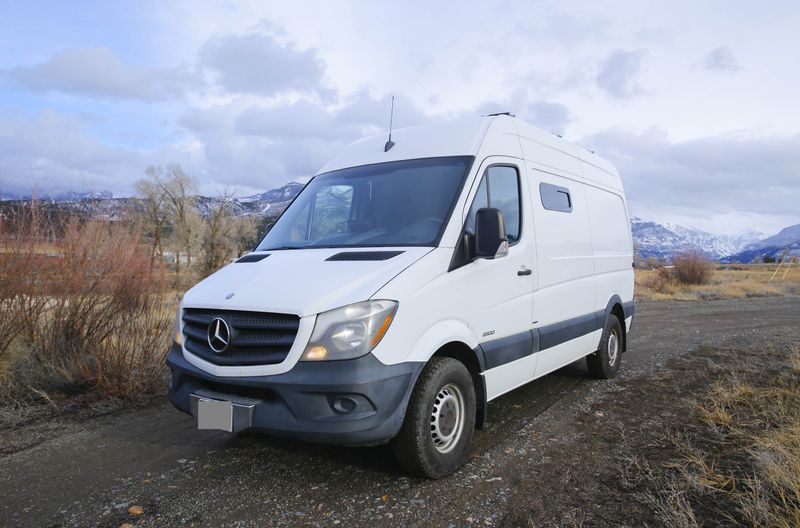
(555, 197)
(499, 188)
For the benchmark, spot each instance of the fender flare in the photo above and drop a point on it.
(450, 332)
(440, 334)
(627, 311)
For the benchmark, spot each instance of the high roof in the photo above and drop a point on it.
(450, 138)
(480, 137)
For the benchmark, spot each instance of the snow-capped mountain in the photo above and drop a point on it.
(68, 196)
(267, 204)
(788, 239)
(655, 239)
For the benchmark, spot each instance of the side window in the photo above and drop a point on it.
(499, 188)
(555, 197)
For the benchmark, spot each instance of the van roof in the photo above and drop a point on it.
(480, 137)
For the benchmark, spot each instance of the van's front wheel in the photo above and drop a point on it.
(437, 430)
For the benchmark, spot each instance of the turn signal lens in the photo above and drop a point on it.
(316, 353)
(177, 335)
(382, 329)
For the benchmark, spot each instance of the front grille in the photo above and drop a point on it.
(256, 338)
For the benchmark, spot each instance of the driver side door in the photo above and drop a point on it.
(501, 289)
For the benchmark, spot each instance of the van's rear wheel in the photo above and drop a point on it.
(604, 364)
(437, 430)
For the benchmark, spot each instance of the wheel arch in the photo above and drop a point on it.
(614, 306)
(474, 363)
(453, 338)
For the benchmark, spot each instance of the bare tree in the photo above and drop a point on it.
(225, 236)
(171, 210)
(156, 211)
(179, 191)
(171, 193)
(246, 234)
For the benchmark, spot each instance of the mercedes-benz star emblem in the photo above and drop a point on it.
(219, 335)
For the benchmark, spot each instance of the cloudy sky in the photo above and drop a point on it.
(695, 102)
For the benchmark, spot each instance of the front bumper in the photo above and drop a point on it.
(352, 402)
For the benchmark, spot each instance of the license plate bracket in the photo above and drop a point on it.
(221, 414)
(215, 414)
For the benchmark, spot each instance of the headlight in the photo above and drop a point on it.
(350, 331)
(177, 335)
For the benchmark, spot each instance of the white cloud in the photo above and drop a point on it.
(726, 183)
(263, 145)
(53, 151)
(256, 63)
(617, 74)
(721, 59)
(98, 72)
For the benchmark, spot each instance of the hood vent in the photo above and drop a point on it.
(253, 257)
(363, 256)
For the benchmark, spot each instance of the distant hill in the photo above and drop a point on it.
(653, 239)
(268, 204)
(787, 239)
(665, 240)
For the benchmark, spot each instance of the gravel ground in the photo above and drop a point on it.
(549, 457)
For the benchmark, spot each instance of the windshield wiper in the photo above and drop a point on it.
(285, 247)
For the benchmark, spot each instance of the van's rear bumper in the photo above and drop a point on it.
(352, 402)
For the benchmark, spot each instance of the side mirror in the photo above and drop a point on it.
(490, 234)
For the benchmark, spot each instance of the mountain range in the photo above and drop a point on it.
(652, 239)
(663, 240)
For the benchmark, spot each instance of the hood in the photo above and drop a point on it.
(300, 281)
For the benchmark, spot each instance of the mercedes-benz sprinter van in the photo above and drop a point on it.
(410, 283)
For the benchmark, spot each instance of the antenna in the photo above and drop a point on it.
(389, 144)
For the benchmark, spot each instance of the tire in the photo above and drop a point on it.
(435, 437)
(605, 362)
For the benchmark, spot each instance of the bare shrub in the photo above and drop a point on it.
(130, 362)
(101, 279)
(23, 234)
(692, 267)
(92, 308)
(663, 281)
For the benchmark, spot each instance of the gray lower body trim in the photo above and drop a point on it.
(563, 331)
(507, 349)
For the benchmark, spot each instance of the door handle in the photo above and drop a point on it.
(524, 271)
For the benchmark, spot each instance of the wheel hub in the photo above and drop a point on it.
(447, 418)
(613, 348)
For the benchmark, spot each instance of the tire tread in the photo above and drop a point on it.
(410, 444)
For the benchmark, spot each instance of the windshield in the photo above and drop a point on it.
(401, 203)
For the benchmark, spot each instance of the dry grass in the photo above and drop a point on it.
(739, 464)
(727, 282)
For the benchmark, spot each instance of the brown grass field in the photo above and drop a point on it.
(727, 282)
(738, 460)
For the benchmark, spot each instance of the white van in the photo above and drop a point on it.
(410, 283)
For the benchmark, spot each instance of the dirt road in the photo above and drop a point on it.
(541, 461)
